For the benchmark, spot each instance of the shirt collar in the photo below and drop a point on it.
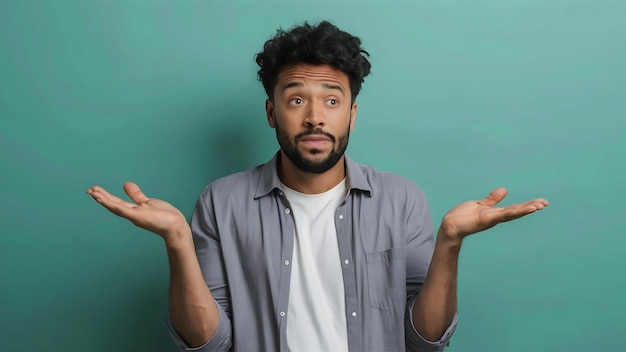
(269, 181)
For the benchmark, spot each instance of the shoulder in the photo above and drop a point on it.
(395, 199)
(240, 183)
(389, 184)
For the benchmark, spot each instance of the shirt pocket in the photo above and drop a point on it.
(386, 279)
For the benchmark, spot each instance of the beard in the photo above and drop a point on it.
(318, 165)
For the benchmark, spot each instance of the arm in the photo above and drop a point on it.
(436, 303)
(193, 312)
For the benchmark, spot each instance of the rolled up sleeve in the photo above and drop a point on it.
(220, 341)
(416, 343)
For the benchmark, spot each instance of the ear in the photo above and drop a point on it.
(269, 113)
(353, 110)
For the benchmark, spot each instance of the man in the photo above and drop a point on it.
(312, 251)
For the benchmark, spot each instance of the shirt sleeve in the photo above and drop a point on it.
(220, 341)
(415, 341)
(420, 247)
(210, 257)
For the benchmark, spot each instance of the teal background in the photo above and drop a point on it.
(464, 96)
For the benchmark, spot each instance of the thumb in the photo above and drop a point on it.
(494, 197)
(135, 193)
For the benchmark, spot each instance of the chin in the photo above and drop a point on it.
(316, 158)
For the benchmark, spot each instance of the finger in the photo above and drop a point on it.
(494, 197)
(513, 212)
(538, 203)
(108, 200)
(135, 193)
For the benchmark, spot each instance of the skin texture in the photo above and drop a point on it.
(312, 113)
(309, 99)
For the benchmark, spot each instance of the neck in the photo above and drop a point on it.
(310, 183)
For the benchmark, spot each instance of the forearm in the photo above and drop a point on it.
(193, 311)
(436, 303)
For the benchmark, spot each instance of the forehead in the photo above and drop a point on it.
(312, 74)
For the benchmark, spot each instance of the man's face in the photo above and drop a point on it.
(313, 115)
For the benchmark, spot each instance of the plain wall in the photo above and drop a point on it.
(464, 96)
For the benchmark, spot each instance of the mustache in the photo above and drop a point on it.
(315, 131)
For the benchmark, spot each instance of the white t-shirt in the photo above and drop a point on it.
(316, 316)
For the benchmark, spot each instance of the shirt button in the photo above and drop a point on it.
(282, 314)
(354, 314)
(288, 210)
(346, 261)
(341, 217)
(280, 193)
(286, 262)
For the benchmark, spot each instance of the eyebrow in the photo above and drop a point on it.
(332, 86)
(324, 85)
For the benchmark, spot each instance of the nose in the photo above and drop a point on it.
(314, 116)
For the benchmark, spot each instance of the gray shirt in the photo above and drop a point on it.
(243, 233)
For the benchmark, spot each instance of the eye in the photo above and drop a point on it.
(333, 102)
(296, 101)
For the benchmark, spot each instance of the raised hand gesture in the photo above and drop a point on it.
(475, 216)
(148, 213)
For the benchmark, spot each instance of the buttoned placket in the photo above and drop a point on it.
(287, 233)
(344, 241)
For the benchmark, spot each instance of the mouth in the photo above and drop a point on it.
(315, 141)
(315, 138)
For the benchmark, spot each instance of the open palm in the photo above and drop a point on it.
(475, 216)
(151, 214)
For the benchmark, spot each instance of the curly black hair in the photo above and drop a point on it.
(322, 44)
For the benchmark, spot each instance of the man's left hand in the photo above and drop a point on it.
(475, 216)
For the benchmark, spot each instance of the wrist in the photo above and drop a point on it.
(179, 238)
(448, 240)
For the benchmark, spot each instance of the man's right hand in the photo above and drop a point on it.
(193, 311)
(151, 214)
